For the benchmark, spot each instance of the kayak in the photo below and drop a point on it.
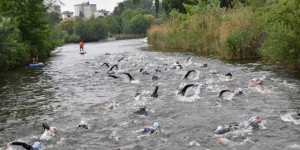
(40, 64)
(82, 52)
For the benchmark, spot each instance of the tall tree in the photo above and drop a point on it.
(169, 5)
(30, 16)
(156, 7)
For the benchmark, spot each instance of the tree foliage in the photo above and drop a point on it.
(93, 29)
(281, 23)
(12, 49)
(30, 16)
(178, 5)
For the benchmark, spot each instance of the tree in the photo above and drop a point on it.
(68, 25)
(30, 17)
(112, 24)
(91, 30)
(12, 50)
(53, 18)
(139, 24)
(169, 5)
(156, 7)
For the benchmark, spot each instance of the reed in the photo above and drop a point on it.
(231, 35)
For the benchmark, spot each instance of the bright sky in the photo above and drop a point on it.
(109, 5)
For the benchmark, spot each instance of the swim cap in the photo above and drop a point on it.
(252, 119)
(36, 145)
(156, 125)
(241, 91)
(143, 106)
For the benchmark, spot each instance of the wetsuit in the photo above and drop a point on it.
(35, 146)
(252, 122)
(142, 111)
(223, 130)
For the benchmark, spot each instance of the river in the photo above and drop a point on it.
(71, 88)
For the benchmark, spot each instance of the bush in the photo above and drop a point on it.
(13, 51)
(281, 23)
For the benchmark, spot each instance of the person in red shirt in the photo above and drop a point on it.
(81, 45)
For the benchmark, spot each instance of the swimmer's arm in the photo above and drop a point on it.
(26, 146)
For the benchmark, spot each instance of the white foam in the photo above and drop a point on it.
(294, 146)
(288, 118)
(194, 143)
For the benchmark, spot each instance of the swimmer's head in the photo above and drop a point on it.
(156, 125)
(53, 129)
(83, 125)
(143, 107)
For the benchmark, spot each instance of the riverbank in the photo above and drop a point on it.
(244, 32)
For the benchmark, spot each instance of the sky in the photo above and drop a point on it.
(109, 5)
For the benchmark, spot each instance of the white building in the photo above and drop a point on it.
(85, 10)
(67, 15)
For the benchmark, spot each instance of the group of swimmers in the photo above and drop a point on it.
(155, 127)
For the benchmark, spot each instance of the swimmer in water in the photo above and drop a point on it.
(257, 82)
(83, 125)
(110, 105)
(153, 129)
(236, 92)
(48, 132)
(129, 76)
(176, 65)
(187, 74)
(35, 146)
(228, 75)
(183, 90)
(254, 122)
(231, 127)
(142, 110)
(154, 94)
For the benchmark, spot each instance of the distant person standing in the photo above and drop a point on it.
(81, 45)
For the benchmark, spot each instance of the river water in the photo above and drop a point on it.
(72, 88)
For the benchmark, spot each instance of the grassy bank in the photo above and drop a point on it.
(232, 34)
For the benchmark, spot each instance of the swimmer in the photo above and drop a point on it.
(183, 90)
(176, 65)
(257, 82)
(52, 130)
(142, 110)
(204, 65)
(121, 59)
(48, 132)
(83, 125)
(190, 58)
(222, 92)
(105, 64)
(155, 78)
(154, 94)
(188, 73)
(35, 146)
(228, 75)
(110, 105)
(236, 92)
(254, 122)
(113, 76)
(130, 77)
(155, 128)
(231, 127)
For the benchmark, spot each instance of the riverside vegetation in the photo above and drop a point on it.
(242, 29)
(28, 28)
(267, 29)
